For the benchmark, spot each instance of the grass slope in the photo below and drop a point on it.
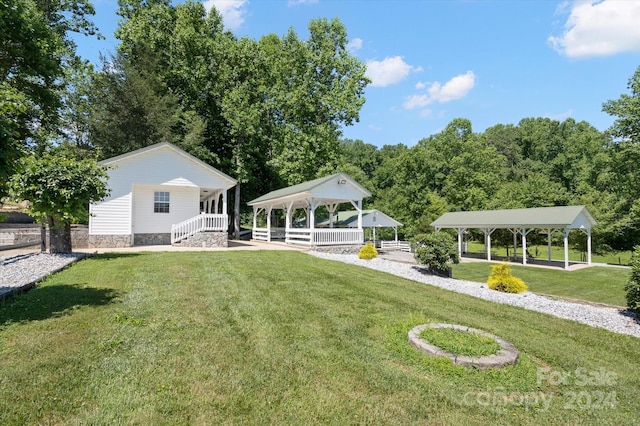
(286, 338)
(595, 284)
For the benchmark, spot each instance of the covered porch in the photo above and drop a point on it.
(330, 193)
(520, 222)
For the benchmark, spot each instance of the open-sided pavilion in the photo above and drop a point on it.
(522, 222)
(331, 192)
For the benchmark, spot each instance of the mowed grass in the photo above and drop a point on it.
(594, 284)
(287, 338)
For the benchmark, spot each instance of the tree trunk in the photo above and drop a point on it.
(236, 212)
(59, 236)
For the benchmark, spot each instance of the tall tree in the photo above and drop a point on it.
(35, 50)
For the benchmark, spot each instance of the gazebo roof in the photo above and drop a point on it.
(370, 218)
(336, 188)
(540, 217)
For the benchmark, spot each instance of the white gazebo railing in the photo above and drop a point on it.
(324, 237)
(200, 223)
(263, 234)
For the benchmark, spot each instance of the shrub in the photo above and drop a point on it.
(368, 252)
(502, 280)
(632, 287)
(436, 250)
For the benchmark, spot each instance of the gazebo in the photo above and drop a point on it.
(373, 219)
(522, 222)
(331, 192)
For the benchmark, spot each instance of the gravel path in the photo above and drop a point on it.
(611, 319)
(21, 271)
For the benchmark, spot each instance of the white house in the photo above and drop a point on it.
(161, 195)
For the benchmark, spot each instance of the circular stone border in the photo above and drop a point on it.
(507, 355)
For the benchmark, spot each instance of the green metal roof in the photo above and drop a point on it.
(540, 217)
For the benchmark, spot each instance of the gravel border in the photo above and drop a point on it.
(615, 320)
(21, 272)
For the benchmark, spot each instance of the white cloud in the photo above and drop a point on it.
(599, 28)
(388, 71)
(354, 45)
(420, 85)
(456, 88)
(232, 11)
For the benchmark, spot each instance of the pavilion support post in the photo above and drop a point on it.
(268, 212)
(524, 233)
(549, 243)
(331, 208)
(566, 248)
(255, 220)
(487, 237)
(515, 244)
(395, 231)
(460, 232)
(589, 246)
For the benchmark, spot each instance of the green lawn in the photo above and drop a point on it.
(595, 284)
(287, 338)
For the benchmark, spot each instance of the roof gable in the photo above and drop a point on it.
(164, 163)
(324, 187)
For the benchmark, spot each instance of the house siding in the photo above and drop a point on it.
(112, 216)
(184, 203)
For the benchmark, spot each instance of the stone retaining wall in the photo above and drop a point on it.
(350, 249)
(17, 233)
(206, 239)
(109, 241)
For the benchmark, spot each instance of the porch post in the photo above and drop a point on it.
(359, 214)
(460, 231)
(566, 248)
(589, 246)
(224, 202)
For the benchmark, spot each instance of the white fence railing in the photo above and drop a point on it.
(200, 223)
(398, 245)
(262, 234)
(324, 237)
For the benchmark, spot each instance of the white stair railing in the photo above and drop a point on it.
(201, 223)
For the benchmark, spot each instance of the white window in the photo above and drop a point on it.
(160, 202)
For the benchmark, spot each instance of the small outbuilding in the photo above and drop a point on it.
(372, 219)
(161, 195)
(522, 222)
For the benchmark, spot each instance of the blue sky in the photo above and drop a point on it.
(432, 61)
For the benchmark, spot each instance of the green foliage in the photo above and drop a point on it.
(632, 287)
(368, 252)
(59, 186)
(436, 250)
(460, 342)
(502, 280)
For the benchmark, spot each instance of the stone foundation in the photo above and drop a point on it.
(206, 239)
(109, 241)
(350, 249)
(154, 239)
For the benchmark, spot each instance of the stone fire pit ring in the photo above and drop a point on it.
(507, 354)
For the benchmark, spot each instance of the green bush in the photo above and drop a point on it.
(368, 252)
(502, 280)
(632, 287)
(436, 250)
